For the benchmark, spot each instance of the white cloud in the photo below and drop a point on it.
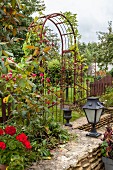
(92, 15)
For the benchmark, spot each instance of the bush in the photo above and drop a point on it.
(107, 98)
(107, 145)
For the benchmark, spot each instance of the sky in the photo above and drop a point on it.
(92, 15)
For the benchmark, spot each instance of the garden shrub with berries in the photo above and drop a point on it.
(30, 131)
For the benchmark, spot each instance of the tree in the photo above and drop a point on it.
(15, 19)
(105, 47)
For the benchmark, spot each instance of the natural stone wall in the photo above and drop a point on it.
(83, 153)
(90, 161)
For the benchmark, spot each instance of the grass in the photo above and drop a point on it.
(57, 114)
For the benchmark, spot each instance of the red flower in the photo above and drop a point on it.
(48, 102)
(42, 79)
(48, 91)
(3, 76)
(33, 75)
(22, 138)
(48, 79)
(14, 79)
(2, 145)
(9, 75)
(27, 144)
(41, 75)
(1, 131)
(11, 130)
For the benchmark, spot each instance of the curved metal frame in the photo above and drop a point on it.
(56, 19)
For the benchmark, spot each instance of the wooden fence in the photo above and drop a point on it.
(99, 86)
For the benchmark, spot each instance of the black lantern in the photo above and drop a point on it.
(93, 110)
(67, 115)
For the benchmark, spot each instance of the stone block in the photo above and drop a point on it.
(78, 168)
(85, 161)
(87, 168)
(91, 160)
(93, 165)
(86, 165)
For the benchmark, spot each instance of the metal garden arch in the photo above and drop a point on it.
(66, 33)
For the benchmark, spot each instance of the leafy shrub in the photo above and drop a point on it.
(107, 98)
(55, 74)
(107, 145)
(111, 72)
(15, 147)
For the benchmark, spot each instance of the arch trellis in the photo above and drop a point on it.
(68, 39)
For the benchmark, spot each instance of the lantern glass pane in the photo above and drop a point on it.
(98, 115)
(90, 115)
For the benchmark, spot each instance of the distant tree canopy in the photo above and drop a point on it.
(101, 52)
(105, 47)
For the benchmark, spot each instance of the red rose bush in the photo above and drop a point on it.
(13, 145)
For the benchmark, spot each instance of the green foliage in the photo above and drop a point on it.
(89, 52)
(105, 47)
(44, 135)
(72, 18)
(107, 98)
(16, 18)
(111, 72)
(14, 151)
(103, 148)
(26, 86)
(54, 71)
(23, 85)
(107, 145)
(55, 74)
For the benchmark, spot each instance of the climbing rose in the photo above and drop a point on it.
(9, 75)
(33, 75)
(48, 102)
(2, 145)
(42, 79)
(48, 80)
(41, 75)
(48, 91)
(11, 130)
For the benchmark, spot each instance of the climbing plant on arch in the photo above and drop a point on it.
(70, 83)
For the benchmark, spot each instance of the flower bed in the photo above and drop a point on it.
(15, 147)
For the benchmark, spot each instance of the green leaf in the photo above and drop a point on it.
(31, 84)
(13, 3)
(0, 52)
(41, 69)
(22, 82)
(6, 53)
(5, 70)
(103, 151)
(12, 147)
(24, 113)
